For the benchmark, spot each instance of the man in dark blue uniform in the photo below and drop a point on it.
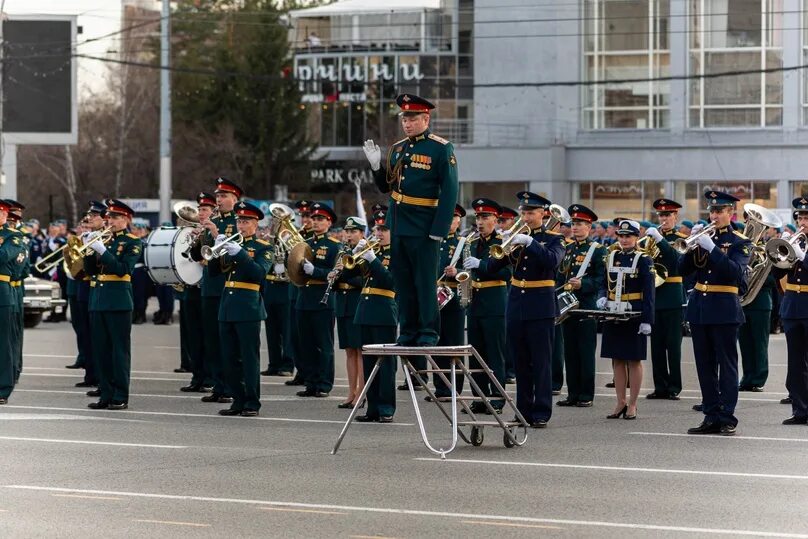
(532, 308)
(420, 173)
(293, 341)
(714, 312)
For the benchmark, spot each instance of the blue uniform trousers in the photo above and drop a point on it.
(277, 327)
(452, 333)
(241, 351)
(714, 346)
(317, 348)
(165, 299)
(81, 313)
(531, 343)
(797, 376)
(213, 350)
(381, 395)
(72, 303)
(414, 264)
(558, 359)
(195, 344)
(185, 354)
(140, 289)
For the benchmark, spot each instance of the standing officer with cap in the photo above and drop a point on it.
(17, 284)
(666, 339)
(242, 309)
(507, 216)
(13, 255)
(420, 173)
(583, 275)
(532, 308)
(227, 195)
(486, 314)
(714, 312)
(110, 267)
(303, 209)
(94, 222)
(315, 320)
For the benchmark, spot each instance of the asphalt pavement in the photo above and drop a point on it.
(171, 467)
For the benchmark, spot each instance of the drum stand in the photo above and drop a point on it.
(388, 352)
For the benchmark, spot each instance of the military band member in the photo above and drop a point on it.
(532, 308)
(94, 222)
(486, 314)
(584, 276)
(347, 289)
(303, 209)
(714, 312)
(315, 320)
(377, 316)
(13, 256)
(505, 221)
(794, 314)
(628, 286)
(666, 340)
(227, 195)
(420, 173)
(242, 309)
(110, 267)
(15, 221)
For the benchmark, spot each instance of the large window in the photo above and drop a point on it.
(626, 40)
(736, 35)
(629, 199)
(759, 192)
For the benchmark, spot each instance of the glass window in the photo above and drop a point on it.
(626, 39)
(736, 35)
(610, 199)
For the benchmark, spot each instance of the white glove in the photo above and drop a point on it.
(521, 239)
(696, 229)
(98, 247)
(373, 153)
(369, 256)
(52, 244)
(436, 238)
(799, 252)
(220, 238)
(308, 267)
(231, 248)
(278, 269)
(785, 235)
(654, 233)
(360, 245)
(601, 303)
(645, 329)
(706, 242)
(85, 237)
(471, 263)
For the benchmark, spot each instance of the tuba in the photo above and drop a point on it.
(284, 231)
(649, 247)
(557, 215)
(187, 214)
(780, 251)
(759, 220)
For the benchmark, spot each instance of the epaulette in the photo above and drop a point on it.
(498, 236)
(334, 240)
(568, 241)
(551, 232)
(132, 236)
(261, 242)
(405, 139)
(436, 138)
(739, 234)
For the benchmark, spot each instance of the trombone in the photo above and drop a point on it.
(209, 253)
(46, 264)
(685, 245)
(350, 260)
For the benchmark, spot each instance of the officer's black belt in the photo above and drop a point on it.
(415, 201)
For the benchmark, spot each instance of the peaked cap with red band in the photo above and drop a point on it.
(380, 217)
(223, 185)
(206, 199)
(666, 205)
(413, 103)
(14, 208)
(507, 213)
(460, 211)
(4, 206)
(579, 212)
(245, 210)
(303, 207)
(483, 206)
(321, 209)
(118, 207)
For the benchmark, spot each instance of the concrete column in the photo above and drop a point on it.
(792, 56)
(678, 39)
(8, 187)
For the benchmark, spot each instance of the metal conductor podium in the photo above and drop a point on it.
(448, 405)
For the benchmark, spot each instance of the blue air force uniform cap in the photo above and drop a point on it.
(355, 223)
(628, 227)
(800, 205)
(688, 224)
(530, 201)
(719, 199)
(97, 207)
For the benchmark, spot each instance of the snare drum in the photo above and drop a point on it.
(445, 295)
(567, 302)
(166, 257)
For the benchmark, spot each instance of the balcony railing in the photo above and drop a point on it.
(481, 134)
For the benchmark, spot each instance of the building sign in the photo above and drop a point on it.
(335, 174)
(617, 190)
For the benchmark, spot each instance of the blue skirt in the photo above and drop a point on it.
(622, 341)
(350, 334)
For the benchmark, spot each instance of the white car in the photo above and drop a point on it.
(41, 297)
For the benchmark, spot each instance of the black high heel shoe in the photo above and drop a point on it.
(618, 415)
(629, 417)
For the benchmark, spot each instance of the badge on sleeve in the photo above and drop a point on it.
(452, 160)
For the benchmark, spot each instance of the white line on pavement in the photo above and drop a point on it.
(172, 523)
(698, 398)
(139, 378)
(415, 512)
(195, 396)
(89, 442)
(760, 438)
(617, 468)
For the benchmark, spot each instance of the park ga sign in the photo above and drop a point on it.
(350, 70)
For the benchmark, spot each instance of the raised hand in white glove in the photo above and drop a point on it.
(706, 242)
(799, 252)
(521, 239)
(654, 233)
(98, 247)
(360, 245)
(231, 248)
(696, 229)
(645, 329)
(308, 267)
(278, 269)
(220, 238)
(601, 303)
(471, 263)
(369, 255)
(373, 153)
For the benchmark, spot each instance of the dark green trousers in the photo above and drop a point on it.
(753, 337)
(195, 343)
(17, 339)
(317, 348)
(185, 354)
(81, 313)
(278, 340)
(558, 359)
(452, 333)
(241, 350)
(381, 395)
(666, 351)
(112, 348)
(75, 323)
(414, 264)
(580, 340)
(487, 336)
(7, 351)
(293, 341)
(213, 350)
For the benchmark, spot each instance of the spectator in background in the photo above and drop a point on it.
(314, 40)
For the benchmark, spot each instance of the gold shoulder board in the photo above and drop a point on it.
(436, 138)
(739, 234)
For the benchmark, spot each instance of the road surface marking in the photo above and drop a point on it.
(141, 378)
(509, 524)
(195, 396)
(761, 438)
(415, 512)
(302, 511)
(172, 523)
(86, 497)
(89, 442)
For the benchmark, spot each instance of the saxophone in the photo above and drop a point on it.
(463, 278)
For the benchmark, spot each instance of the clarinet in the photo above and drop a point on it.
(336, 273)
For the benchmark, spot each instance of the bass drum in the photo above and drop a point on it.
(166, 257)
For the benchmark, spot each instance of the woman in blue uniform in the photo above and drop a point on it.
(629, 287)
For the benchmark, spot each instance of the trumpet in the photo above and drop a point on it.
(505, 248)
(781, 251)
(685, 245)
(350, 260)
(209, 253)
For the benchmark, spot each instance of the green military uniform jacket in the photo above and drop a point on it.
(592, 280)
(325, 249)
(244, 276)
(226, 223)
(111, 273)
(24, 271)
(13, 255)
(447, 249)
(490, 294)
(347, 290)
(670, 295)
(420, 173)
(377, 304)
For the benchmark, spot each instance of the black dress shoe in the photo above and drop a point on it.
(283, 373)
(478, 407)
(73, 366)
(584, 404)
(345, 405)
(787, 400)
(295, 382)
(117, 405)
(321, 394)
(744, 388)
(249, 413)
(674, 397)
(230, 412)
(796, 420)
(386, 419)
(403, 387)
(566, 402)
(85, 384)
(706, 428)
(698, 407)
(366, 419)
(213, 397)
(181, 370)
(266, 373)
(224, 399)
(3, 400)
(94, 393)
(727, 430)
(656, 395)
(756, 389)
(98, 405)
(306, 393)
(192, 388)
(540, 424)
(610, 384)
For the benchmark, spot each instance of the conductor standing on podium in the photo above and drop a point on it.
(420, 173)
